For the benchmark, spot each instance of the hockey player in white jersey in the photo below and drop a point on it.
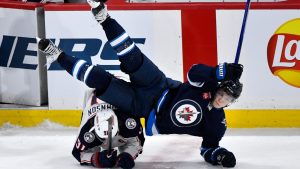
(92, 144)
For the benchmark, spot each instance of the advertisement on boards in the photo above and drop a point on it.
(156, 33)
(270, 55)
(19, 71)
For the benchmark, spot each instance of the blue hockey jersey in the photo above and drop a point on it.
(186, 109)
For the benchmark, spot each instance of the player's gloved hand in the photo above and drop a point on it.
(103, 159)
(229, 71)
(125, 160)
(224, 157)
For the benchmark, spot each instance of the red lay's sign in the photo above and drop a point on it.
(284, 52)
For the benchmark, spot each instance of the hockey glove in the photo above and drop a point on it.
(125, 160)
(224, 157)
(219, 156)
(103, 159)
(229, 71)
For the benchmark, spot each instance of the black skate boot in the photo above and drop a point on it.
(99, 9)
(49, 49)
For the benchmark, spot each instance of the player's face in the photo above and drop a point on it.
(222, 99)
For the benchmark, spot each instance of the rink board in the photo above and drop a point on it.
(235, 118)
(19, 65)
(174, 37)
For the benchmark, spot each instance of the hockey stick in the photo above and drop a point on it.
(110, 121)
(238, 52)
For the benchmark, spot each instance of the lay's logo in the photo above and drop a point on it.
(284, 52)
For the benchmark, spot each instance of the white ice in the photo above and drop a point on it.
(49, 147)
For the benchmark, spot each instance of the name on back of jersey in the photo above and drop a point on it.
(99, 107)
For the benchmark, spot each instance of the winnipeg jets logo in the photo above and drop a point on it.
(186, 113)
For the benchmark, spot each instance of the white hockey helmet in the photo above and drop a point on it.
(101, 123)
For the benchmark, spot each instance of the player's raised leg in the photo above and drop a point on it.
(92, 75)
(133, 61)
(108, 88)
(129, 54)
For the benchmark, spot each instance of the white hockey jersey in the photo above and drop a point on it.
(129, 137)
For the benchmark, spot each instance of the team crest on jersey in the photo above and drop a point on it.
(130, 123)
(89, 137)
(186, 113)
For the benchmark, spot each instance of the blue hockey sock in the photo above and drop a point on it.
(93, 76)
(129, 54)
(67, 62)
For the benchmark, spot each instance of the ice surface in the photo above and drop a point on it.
(49, 146)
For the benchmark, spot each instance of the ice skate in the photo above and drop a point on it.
(48, 47)
(99, 9)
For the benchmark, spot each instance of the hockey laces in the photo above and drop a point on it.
(100, 12)
(52, 52)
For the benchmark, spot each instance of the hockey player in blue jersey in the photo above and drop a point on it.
(194, 107)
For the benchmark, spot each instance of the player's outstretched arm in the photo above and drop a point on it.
(204, 76)
(201, 75)
(218, 156)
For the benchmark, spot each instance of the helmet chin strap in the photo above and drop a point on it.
(209, 106)
(227, 105)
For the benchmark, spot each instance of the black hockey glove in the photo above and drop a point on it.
(229, 71)
(224, 157)
(125, 160)
(103, 159)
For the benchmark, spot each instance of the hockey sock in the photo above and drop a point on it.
(93, 76)
(67, 62)
(130, 56)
